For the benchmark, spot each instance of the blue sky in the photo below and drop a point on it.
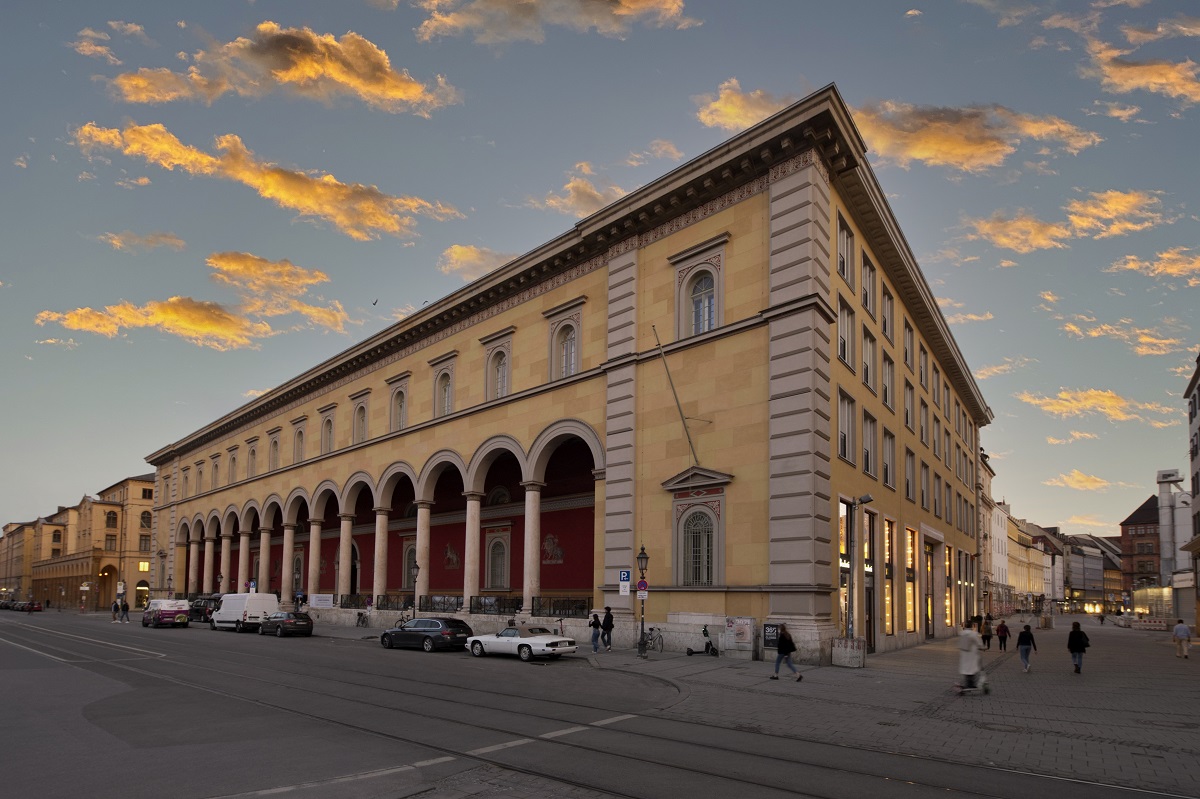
(201, 200)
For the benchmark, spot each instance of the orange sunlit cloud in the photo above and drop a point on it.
(1125, 113)
(1120, 74)
(659, 148)
(963, 318)
(1080, 481)
(1101, 215)
(65, 343)
(267, 289)
(1086, 520)
(1072, 437)
(732, 109)
(1007, 366)
(1177, 262)
(973, 139)
(361, 212)
(492, 23)
(1166, 29)
(1142, 340)
(131, 29)
(580, 197)
(88, 45)
(133, 183)
(470, 262)
(128, 240)
(298, 60)
(1068, 403)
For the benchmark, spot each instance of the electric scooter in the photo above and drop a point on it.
(709, 647)
(980, 687)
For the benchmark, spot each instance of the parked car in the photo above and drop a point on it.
(202, 607)
(35, 605)
(171, 612)
(526, 641)
(286, 623)
(428, 633)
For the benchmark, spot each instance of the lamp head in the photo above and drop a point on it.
(643, 559)
(864, 499)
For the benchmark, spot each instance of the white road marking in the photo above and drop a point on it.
(34, 651)
(488, 749)
(567, 731)
(613, 720)
(434, 762)
(366, 775)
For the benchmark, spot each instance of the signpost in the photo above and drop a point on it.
(624, 581)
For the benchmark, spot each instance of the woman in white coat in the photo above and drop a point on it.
(969, 661)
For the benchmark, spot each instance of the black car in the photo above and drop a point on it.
(202, 608)
(286, 623)
(428, 633)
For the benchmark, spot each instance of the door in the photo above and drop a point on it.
(928, 590)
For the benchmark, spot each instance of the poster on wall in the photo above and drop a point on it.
(320, 601)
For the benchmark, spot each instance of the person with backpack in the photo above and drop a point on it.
(784, 649)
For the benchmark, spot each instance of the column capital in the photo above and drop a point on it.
(246, 533)
(346, 516)
(474, 496)
(290, 526)
(382, 511)
(425, 504)
(598, 474)
(533, 485)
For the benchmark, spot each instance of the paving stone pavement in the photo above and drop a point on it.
(1132, 718)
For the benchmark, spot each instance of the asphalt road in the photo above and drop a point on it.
(98, 709)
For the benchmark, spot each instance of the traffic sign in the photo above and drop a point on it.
(642, 585)
(625, 575)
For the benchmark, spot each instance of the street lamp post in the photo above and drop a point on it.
(415, 571)
(643, 560)
(850, 550)
(170, 587)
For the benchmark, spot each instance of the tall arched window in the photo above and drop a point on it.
(147, 520)
(499, 375)
(327, 436)
(497, 564)
(565, 351)
(274, 457)
(216, 470)
(298, 455)
(698, 549)
(232, 469)
(252, 467)
(410, 560)
(704, 303)
(445, 395)
(360, 424)
(297, 574)
(399, 409)
(110, 520)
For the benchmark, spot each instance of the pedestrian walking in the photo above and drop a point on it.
(783, 653)
(124, 611)
(116, 611)
(986, 634)
(606, 628)
(1002, 634)
(595, 625)
(1182, 636)
(1025, 645)
(1077, 644)
(969, 661)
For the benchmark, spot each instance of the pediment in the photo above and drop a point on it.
(697, 478)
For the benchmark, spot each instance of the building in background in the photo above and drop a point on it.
(1054, 550)
(1192, 397)
(1157, 564)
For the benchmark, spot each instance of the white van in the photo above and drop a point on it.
(243, 611)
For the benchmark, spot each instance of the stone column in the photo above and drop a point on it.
(423, 513)
(471, 549)
(314, 557)
(193, 583)
(379, 578)
(287, 568)
(531, 579)
(243, 576)
(344, 555)
(226, 562)
(264, 561)
(209, 553)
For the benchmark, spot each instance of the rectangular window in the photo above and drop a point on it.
(910, 579)
(889, 459)
(147, 493)
(946, 443)
(846, 334)
(937, 495)
(143, 565)
(110, 543)
(868, 285)
(909, 410)
(56, 538)
(924, 486)
(868, 360)
(846, 427)
(887, 310)
(923, 367)
(949, 507)
(908, 345)
(868, 434)
(888, 384)
(937, 388)
(937, 436)
(924, 423)
(889, 568)
(143, 543)
(845, 256)
(910, 475)
(949, 588)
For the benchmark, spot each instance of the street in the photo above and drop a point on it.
(194, 713)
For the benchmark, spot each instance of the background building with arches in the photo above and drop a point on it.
(717, 367)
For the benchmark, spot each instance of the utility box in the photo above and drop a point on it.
(850, 652)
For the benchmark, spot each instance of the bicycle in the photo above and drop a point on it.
(363, 619)
(560, 627)
(654, 639)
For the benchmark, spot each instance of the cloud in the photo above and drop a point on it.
(470, 262)
(267, 289)
(65, 343)
(1005, 367)
(1166, 29)
(659, 148)
(1010, 12)
(361, 212)
(1120, 74)
(128, 240)
(494, 23)
(1072, 437)
(1124, 113)
(580, 197)
(130, 29)
(972, 139)
(732, 109)
(963, 318)
(1079, 481)
(1177, 262)
(1101, 215)
(133, 183)
(251, 393)
(21, 160)
(89, 48)
(912, 13)
(1069, 403)
(1086, 520)
(318, 66)
(1142, 340)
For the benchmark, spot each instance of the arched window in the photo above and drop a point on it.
(565, 351)
(252, 469)
(497, 564)
(326, 436)
(360, 424)
(215, 472)
(147, 520)
(110, 520)
(698, 549)
(232, 469)
(399, 410)
(297, 574)
(184, 487)
(445, 395)
(298, 455)
(704, 303)
(499, 375)
(274, 457)
(410, 560)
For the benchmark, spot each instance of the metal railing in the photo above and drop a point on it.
(440, 604)
(572, 607)
(393, 602)
(353, 600)
(496, 605)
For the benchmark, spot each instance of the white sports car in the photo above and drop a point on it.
(526, 641)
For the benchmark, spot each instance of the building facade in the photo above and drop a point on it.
(719, 368)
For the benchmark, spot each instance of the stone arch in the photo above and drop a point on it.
(486, 454)
(393, 475)
(249, 510)
(197, 529)
(439, 462)
(272, 513)
(549, 440)
(355, 484)
(296, 500)
(326, 491)
(230, 519)
(183, 535)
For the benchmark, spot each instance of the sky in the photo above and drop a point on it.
(199, 201)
